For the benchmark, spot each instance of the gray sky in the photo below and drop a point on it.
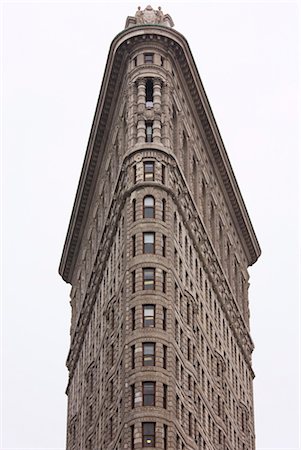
(54, 56)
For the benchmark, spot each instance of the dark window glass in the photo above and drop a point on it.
(149, 88)
(163, 281)
(163, 209)
(149, 278)
(149, 315)
(133, 356)
(164, 356)
(134, 245)
(164, 320)
(148, 242)
(135, 174)
(149, 171)
(149, 392)
(163, 174)
(148, 434)
(165, 396)
(163, 245)
(148, 58)
(149, 354)
(134, 210)
(148, 131)
(133, 318)
(165, 437)
(149, 207)
(133, 395)
(132, 437)
(133, 281)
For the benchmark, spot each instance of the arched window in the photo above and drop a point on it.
(149, 207)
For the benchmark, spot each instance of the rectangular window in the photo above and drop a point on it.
(164, 281)
(149, 90)
(133, 281)
(149, 171)
(148, 242)
(148, 131)
(134, 210)
(148, 58)
(163, 174)
(164, 437)
(134, 174)
(148, 434)
(132, 437)
(163, 209)
(149, 315)
(149, 278)
(134, 245)
(133, 395)
(164, 357)
(164, 319)
(163, 245)
(149, 392)
(133, 317)
(133, 356)
(148, 353)
(165, 396)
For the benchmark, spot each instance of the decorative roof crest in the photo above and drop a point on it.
(149, 16)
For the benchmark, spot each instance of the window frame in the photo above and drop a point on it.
(150, 172)
(144, 317)
(151, 282)
(149, 399)
(150, 250)
(151, 436)
(149, 211)
(149, 355)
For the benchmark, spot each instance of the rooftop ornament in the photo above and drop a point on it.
(149, 16)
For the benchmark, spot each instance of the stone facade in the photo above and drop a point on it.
(157, 254)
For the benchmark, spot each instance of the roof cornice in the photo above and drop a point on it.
(119, 48)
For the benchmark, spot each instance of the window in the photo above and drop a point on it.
(148, 434)
(148, 242)
(133, 281)
(133, 312)
(164, 319)
(134, 210)
(132, 437)
(149, 171)
(149, 315)
(134, 245)
(149, 88)
(133, 356)
(149, 278)
(164, 356)
(163, 281)
(148, 58)
(148, 131)
(135, 174)
(163, 209)
(165, 396)
(163, 245)
(149, 207)
(148, 353)
(163, 174)
(164, 437)
(133, 396)
(149, 392)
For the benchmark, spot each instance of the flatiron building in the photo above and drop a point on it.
(157, 255)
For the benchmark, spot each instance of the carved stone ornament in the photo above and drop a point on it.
(149, 16)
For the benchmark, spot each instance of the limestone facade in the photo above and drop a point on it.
(157, 254)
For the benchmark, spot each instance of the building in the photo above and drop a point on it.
(157, 254)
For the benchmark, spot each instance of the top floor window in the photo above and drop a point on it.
(149, 171)
(148, 58)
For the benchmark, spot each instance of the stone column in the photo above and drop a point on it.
(140, 110)
(157, 110)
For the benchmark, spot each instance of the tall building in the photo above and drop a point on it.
(157, 254)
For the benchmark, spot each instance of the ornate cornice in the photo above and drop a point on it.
(114, 73)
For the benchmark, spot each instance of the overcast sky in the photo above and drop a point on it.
(53, 61)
